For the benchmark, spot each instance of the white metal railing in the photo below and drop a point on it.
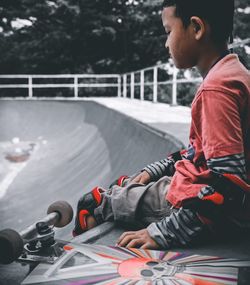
(75, 85)
(121, 83)
(154, 83)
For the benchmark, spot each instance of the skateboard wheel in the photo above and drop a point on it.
(64, 210)
(11, 246)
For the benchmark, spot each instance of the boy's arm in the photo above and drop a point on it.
(185, 225)
(222, 131)
(158, 169)
(196, 216)
(181, 228)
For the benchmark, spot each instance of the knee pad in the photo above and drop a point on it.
(120, 181)
(86, 206)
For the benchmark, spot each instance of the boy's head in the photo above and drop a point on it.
(204, 22)
(218, 14)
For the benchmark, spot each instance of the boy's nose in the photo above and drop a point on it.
(166, 45)
(167, 48)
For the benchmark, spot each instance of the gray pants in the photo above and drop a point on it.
(134, 203)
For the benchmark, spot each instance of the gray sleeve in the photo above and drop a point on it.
(232, 164)
(164, 167)
(181, 228)
(160, 168)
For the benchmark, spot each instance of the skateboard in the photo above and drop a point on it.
(35, 256)
(20, 252)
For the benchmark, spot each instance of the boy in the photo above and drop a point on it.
(196, 192)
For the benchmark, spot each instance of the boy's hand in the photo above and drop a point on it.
(140, 239)
(142, 178)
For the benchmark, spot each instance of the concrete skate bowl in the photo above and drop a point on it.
(53, 150)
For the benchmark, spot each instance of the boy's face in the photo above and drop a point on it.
(180, 41)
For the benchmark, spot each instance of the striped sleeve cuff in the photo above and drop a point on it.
(160, 168)
(157, 236)
(181, 228)
(233, 164)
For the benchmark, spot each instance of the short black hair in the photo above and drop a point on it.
(218, 13)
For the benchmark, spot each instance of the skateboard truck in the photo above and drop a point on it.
(36, 243)
(43, 248)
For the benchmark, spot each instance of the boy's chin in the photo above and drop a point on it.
(180, 65)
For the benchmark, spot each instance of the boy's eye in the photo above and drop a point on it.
(167, 34)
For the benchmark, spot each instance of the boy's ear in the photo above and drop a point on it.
(199, 27)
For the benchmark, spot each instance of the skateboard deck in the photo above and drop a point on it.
(34, 256)
(82, 264)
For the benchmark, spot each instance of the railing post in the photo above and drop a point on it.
(124, 85)
(132, 85)
(119, 81)
(142, 85)
(174, 87)
(155, 84)
(76, 86)
(30, 87)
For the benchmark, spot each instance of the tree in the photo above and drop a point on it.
(44, 45)
(97, 36)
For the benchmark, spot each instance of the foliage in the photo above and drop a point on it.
(79, 36)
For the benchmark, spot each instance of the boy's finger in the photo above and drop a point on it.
(126, 240)
(123, 236)
(145, 246)
(149, 245)
(135, 243)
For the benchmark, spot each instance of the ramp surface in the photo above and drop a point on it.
(58, 150)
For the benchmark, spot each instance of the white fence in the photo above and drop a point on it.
(173, 81)
(124, 84)
(75, 84)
